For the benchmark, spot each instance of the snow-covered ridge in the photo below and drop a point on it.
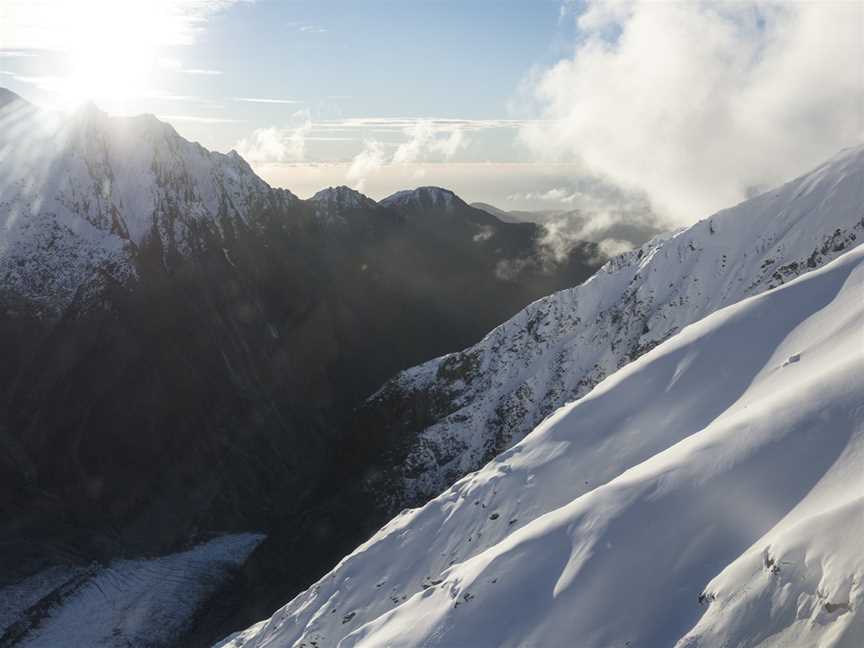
(424, 198)
(489, 396)
(708, 494)
(79, 194)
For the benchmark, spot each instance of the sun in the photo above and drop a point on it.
(111, 49)
(110, 52)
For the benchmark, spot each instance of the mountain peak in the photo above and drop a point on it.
(106, 183)
(425, 198)
(343, 197)
(89, 109)
(332, 202)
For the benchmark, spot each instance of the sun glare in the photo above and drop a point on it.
(111, 48)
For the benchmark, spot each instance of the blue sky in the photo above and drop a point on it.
(451, 59)
(447, 58)
(461, 59)
(255, 75)
(551, 104)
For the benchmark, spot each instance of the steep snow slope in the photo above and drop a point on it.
(78, 194)
(126, 603)
(710, 493)
(473, 404)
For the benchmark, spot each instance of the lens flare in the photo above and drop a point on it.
(112, 52)
(109, 49)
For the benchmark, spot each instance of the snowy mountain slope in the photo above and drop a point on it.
(79, 194)
(708, 494)
(128, 602)
(455, 413)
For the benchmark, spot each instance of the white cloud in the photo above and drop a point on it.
(612, 247)
(267, 101)
(273, 144)
(419, 136)
(370, 160)
(408, 125)
(449, 145)
(199, 119)
(484, 233)
(588, 210)
(557, 195)
(203, 72)
(425, 140)
(425, 137)
(695, 103)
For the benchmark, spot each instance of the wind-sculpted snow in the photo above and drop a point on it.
(78, 195)
(708, 494)
(484, 399)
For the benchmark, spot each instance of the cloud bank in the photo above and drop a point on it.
(698, 104)
(369, 161)
(278, 144)
(425, 140)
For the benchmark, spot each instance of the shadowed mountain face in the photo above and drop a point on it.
(183, 346)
